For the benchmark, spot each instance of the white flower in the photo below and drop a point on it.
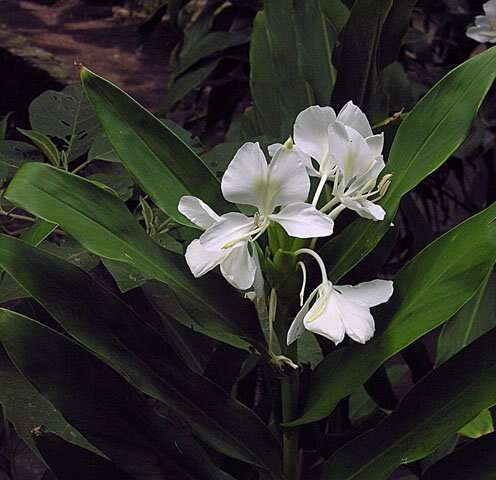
(340, 310)
(249, 180)
(359, 163)
(484, 29)
(311, 134)
(237, 264)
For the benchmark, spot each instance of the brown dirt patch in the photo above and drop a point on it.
(106, 42)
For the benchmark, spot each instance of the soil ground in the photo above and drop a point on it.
(103, 39)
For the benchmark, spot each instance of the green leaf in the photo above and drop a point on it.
(27, 409)
(117, 178)
(395, 28)
(103, 225)
(468, 253)
(441, 403)
(67, 116)
(358, 74)
(164, 166)
(278, 89)
(188, 81)
(479, 426)
(314, 50)
(337, 15)
(4, 125)
(476, 318)
(68, 461)
(105, 325)
(473, 461)
(45, 145)
(106, 409)
(209, 44)
(431, 132)
(13, 154)
(101, 149)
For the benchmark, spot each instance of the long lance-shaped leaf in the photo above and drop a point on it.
(427, 292)
(96, 400)
(439, 405)
(106, 325)
(164, 166)
(102, 224)
(473, 461)
(358, 74)
(432, 131)
(71, 461)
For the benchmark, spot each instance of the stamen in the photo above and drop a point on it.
(317, 258)
(247, 236)
(303, 283)
(319, 190)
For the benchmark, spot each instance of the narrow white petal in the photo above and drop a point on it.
(365, 208)
(325, 317)
(273, 148)
(231, 226)
(296, 329)
(350, 151)
(353, 117)
(197, 212)
(243, 181)
(376, 143)
(303, 220)
(310, 131)
(200, 260)
(368, 294)
(288, 180)
(239, 267)
(357, 319)
(490, 8)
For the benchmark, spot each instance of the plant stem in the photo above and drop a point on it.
(289, 399)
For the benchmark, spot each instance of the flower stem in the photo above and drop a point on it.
(289, 399)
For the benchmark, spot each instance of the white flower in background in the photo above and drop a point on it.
(337, 311)
(249, 180)
(359, 163)
(484, 29)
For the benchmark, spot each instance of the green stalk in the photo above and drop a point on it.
(289, 397)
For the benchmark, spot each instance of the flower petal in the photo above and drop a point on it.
(303, 220)
(230, 227)
(245, 176)
(200, 260)
(325, 318)
(365, 208)
(297, 328)
(239, 267)
(197, 212)
(490, 8)
(310, 131)
(368, 294)
(376, 143)
(274, 148)
(288, 180)
(353, 117)
(357, 319)
(350, 151)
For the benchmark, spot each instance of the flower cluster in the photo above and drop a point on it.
(346, 157)
(484, 29)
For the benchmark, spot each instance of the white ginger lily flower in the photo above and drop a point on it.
(359, 163)
(249, 180)
(340, 310)
(311, 134)
(237, 264)
(484, 29)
